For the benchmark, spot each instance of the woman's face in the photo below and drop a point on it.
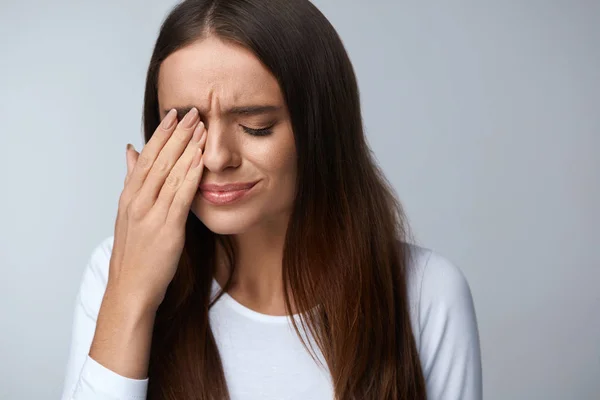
(215, 76)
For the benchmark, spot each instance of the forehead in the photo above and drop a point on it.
(212, 73)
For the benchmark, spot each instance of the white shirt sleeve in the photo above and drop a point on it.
(449, 338)
(85, 378)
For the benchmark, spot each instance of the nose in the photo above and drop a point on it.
(220, 148)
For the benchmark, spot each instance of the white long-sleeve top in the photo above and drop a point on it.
(262, 357)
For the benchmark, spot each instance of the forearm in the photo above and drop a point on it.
(123, 334)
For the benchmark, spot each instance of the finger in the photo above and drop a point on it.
(166, 159)
(182, 202)
(178, 174)
(150, 152)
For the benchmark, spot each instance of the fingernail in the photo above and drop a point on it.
(129, 147)
(190, 118)
(198, 131)
(169, 119)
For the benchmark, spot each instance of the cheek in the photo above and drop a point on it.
(275, 155)
(283, 169)
(280, 162)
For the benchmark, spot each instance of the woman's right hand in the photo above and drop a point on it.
(159, 188)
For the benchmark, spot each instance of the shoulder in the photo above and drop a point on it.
(437, 288)
(444, 325)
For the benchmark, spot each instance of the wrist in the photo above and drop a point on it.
(133, 303)
(123, 333)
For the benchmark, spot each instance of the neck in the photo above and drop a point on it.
(257, 281)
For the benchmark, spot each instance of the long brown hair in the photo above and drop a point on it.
(345, 246)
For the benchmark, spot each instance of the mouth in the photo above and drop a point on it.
(225, 194)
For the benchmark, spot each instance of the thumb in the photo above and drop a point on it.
(131, 157)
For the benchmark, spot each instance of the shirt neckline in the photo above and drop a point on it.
(248, 312)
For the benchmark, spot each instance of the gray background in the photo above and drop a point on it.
(484, 115)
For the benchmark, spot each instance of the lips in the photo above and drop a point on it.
(230, 187)
(226, 194)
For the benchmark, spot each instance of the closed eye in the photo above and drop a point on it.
(258, 132)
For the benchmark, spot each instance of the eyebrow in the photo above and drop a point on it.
(241, 110)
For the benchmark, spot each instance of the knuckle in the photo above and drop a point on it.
(143, 161)
(135, 210)
(173, 181)
(190, 177)
(162, 165)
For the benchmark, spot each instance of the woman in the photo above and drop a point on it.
(192, 296)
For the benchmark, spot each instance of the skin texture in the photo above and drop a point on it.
(213, 76)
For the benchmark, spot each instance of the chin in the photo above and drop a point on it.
(223, 222)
